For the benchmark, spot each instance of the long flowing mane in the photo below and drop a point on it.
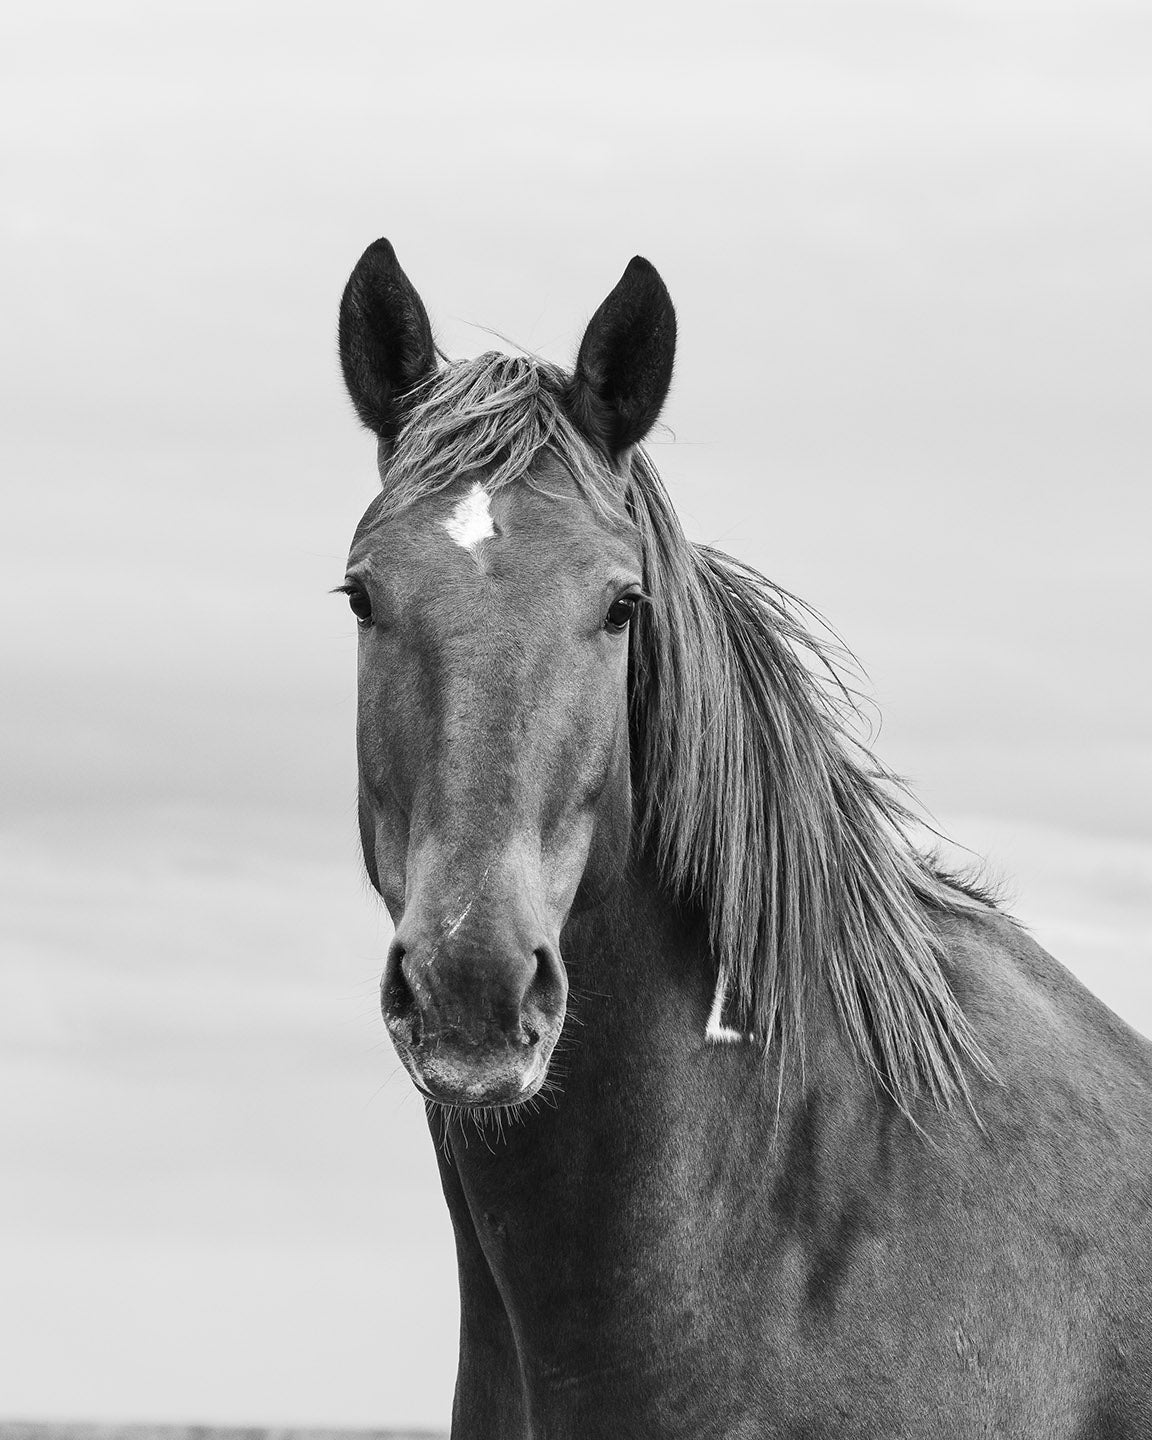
(760, 806)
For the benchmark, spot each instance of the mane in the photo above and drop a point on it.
(762, 809)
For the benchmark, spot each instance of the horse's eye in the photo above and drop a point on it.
(620, 612)
(360, 605)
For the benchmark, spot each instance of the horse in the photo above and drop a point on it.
(751, 1119)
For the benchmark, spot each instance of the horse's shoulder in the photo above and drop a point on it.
(1054, 1045)
(1062, 1157)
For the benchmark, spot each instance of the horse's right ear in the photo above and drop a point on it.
(624, 366)
(385, 339)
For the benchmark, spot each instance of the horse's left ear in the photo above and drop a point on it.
(624, 366)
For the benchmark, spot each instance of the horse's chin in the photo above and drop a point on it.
(474, 1083)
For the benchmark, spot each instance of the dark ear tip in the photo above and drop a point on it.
(380, 254)
(643, 272)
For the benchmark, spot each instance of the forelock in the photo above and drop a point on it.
(492, 418)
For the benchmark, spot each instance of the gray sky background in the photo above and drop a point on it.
(910, 250)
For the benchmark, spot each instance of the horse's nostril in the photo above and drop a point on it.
(529, 1034)
(396, 997)
(547, 988)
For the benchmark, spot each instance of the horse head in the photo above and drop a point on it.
(494, 581)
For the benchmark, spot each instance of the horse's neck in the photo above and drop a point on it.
(652, 1131)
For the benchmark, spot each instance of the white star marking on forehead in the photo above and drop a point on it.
(471, 521)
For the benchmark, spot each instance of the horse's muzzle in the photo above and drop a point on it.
(473, 1024)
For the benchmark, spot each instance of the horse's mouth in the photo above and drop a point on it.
(476, 1067)
(467, 1079)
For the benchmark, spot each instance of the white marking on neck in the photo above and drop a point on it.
(471, 521)
(716, 1031)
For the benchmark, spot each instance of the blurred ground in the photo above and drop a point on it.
(15, 1430)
